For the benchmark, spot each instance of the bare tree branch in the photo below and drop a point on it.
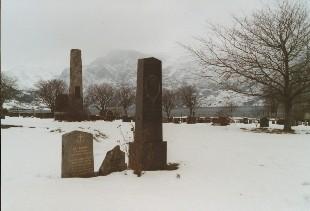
(48, 90)
(268, 50)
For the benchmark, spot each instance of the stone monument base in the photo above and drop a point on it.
(70, 116)
(147, 156)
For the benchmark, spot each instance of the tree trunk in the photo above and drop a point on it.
(190, 112)
(168, 114)
(125, 111)
(102, 112)
(287, 116)
(1, 104)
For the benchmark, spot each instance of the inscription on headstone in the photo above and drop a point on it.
(77, 155)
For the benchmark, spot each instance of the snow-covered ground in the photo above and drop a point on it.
(221, 168)
(37, 106)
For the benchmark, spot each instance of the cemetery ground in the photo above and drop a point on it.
(220, 168)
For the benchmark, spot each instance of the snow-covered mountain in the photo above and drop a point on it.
(114, 68)
(120, 66)
(27, 76)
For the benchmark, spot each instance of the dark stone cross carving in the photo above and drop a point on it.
(148, 151)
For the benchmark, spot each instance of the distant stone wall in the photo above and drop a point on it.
(247, 111)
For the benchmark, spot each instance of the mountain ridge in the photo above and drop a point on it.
(120, 67)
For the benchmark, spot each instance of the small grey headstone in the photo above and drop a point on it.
(114, 161)
(77, 155)
(264, 122)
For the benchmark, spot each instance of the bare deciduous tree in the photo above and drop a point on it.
(126, 97)
(48, 90)
(270, 48)
(228, 108)
(100, 95)
(189, 97)
(168, 101)
(270, 101)
(8, 88)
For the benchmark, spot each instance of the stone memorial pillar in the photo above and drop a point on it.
(76, 84)
(148, 151)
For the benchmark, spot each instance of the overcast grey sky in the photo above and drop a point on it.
(40, 33)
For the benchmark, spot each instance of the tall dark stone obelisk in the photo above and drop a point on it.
(148, 151)
(69, 107)
(76, 86)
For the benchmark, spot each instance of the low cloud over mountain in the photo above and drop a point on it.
(120, 66)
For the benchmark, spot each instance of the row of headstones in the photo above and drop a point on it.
(78, 157)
